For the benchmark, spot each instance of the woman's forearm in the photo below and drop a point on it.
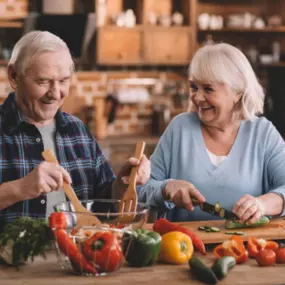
(273, 204)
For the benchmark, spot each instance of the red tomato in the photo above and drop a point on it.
(280, 255)
(266, 257)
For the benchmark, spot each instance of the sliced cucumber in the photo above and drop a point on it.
(217, 207)
(236, 233)
(209, 229)
(222, 213)
(215, 230)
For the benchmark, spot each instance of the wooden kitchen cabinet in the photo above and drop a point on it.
(117, 46)
(170, 46)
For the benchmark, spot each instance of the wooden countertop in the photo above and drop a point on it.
(47, 272)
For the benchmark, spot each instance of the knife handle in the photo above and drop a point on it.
(195, 202)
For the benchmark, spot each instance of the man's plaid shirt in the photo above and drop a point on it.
(20, 152)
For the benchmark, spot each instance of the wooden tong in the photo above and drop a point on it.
(128, 203)
(83, 216)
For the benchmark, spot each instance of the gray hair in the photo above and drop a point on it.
(33, 43)
(224, 63)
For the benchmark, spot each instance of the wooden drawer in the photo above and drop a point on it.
(167, 46)
(119, 46)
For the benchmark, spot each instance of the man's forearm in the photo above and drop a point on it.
(9, 194)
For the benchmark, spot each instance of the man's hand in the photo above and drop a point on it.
(45, 178)
(180, 192)
(249, 209)
(121, 183)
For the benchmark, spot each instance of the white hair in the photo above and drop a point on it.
(34, 43)
(223, 63)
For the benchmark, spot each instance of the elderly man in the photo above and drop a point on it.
(39, 71)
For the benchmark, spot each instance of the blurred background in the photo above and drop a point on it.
(132, 57)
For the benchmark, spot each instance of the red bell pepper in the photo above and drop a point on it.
(255, 245)
(58, 224)
(57, 220)
(233, 247)
(69, 248)
(163, 226)
(104, 249)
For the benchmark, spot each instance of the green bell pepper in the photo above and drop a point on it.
(141, 247)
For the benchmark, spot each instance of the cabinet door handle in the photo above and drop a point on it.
(169, 56)
(120, 55)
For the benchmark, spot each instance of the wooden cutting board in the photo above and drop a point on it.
(274, 230)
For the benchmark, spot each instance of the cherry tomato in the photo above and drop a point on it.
(280, 255)
(266, 257)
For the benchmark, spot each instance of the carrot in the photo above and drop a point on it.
(163, 226)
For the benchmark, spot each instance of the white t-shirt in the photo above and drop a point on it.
(216, 160)
(55, 197)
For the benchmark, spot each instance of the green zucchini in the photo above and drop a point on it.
(236, 225)
(222, 266)
(201, 271)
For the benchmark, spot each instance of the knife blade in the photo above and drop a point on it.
(215, 210)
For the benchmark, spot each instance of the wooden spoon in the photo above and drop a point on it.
(83, 216)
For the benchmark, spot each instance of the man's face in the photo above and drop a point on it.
(43, 88)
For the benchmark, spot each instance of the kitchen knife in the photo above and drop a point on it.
(216, 210)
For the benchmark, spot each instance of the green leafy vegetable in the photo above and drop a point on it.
(24, 238)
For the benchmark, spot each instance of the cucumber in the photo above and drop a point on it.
(236, 225)
(201, 271)
(222, 266)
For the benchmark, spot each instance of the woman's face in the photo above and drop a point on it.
(215, 102)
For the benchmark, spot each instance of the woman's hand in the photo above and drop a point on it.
(180, 192)
(143, 170)
(249, 209)
(121, 183)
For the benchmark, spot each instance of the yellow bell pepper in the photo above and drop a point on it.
(176, 248)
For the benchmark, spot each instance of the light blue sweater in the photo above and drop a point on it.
(255, 166)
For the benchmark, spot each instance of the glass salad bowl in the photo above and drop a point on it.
(93, 250)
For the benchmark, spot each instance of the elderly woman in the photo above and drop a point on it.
(220, 150)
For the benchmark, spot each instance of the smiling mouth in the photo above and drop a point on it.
(205, 108)
(48, 103)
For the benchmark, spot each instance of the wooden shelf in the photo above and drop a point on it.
(274, 64)
(280, 29)
(146, 27)
(10, 24)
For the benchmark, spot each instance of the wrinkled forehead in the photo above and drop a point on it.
(50, 61)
